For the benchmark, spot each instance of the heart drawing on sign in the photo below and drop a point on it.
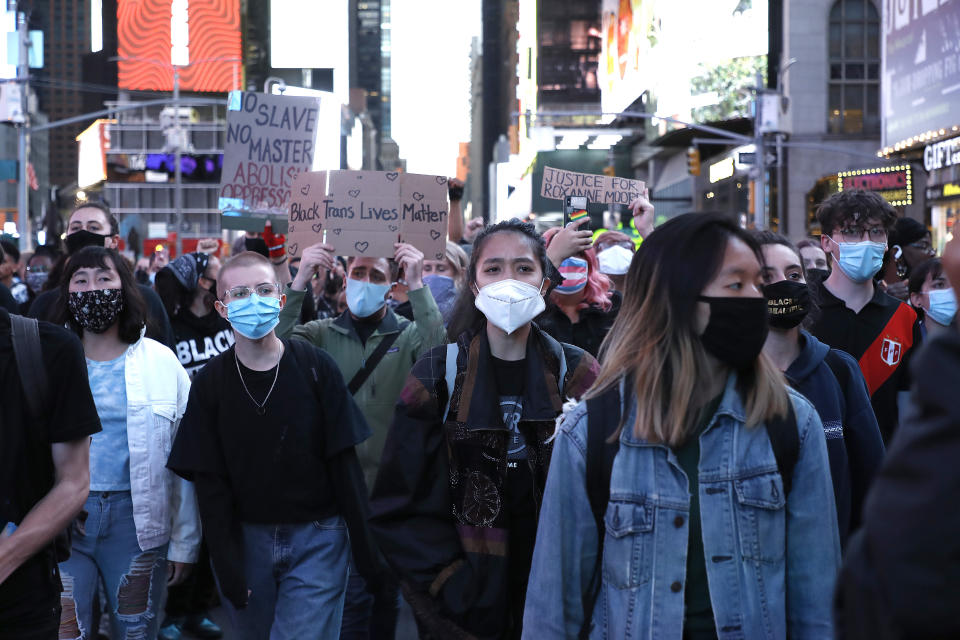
(354, 193)
(392, 176)
(435, 235)
(316, 228)
(392, 227)
(337, 232)
(292, 249)
(417, 196)
(441, 180)
(305, 189)
(439, 256)
(361, 246)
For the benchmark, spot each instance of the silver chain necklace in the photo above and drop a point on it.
(259, 405)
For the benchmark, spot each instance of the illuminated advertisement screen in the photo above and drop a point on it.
(693, 56)
(201, 36)
(921, 69)
(894, 184)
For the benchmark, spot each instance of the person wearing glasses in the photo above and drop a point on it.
(910, 245)
(268, 438)
(878, 330)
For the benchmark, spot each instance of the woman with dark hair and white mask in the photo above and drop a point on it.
(455, 502)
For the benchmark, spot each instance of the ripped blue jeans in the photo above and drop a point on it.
(133, 579)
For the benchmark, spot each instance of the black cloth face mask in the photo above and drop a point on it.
(736, 331)
(816, 276)
(97, 309)
(788, 303)
(83, 238)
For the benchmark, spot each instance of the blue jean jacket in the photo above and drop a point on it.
(771, 560)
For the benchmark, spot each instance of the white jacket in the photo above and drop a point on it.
(164, 505)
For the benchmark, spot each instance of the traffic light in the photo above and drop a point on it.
(693, 161)
(609, 171)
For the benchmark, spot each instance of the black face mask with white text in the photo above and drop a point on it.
(736, 331)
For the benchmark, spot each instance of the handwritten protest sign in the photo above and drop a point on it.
(363, 213)
(559, 183)
(270, 140)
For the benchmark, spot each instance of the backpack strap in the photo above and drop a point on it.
(785, 442)
(25, 335)
(371, 363)
(603, 418)
(450, 373)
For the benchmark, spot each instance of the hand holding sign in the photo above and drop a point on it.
(318, 258)
(410, 260)
(642, 210)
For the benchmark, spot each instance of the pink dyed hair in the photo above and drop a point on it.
(597, 291)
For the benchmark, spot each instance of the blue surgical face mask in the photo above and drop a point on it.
(254, 317)
(860, 261)
(943, 306)
(365, 298)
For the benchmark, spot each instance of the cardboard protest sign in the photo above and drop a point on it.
(305, 224)
(270, 140)
(363, 213)
(559, 183)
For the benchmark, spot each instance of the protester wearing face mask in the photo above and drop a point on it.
(909, 246)
(9, 265)
(829, 379)
(444, 278)
(456, 499)
(142, 522)
(582, 307)
(855, 315)
(374, 349)
(92, 225)
(714, 502)
(268, 438)
(815, 264)
(933, 298)
(614, 253)
(37, 273)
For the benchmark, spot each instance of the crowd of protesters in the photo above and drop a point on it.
(690, 431)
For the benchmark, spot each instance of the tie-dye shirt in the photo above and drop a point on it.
(109, 454)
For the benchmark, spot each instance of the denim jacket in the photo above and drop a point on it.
(771, 559)
(164, 505)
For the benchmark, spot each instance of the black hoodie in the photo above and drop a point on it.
(831, 380)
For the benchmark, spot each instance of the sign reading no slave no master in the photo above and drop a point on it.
(558, 183)
(270, 140)
(363, 213)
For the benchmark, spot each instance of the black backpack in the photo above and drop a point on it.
(603, 419)
(25, 336)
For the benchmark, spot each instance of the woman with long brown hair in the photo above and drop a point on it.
(717, 511)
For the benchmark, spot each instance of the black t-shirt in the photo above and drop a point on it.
(881, 337)
(510, 376)
(70, 415)
(7, 301)
(275, 462)
(200, 340)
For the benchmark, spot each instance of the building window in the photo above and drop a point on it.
(854, 58)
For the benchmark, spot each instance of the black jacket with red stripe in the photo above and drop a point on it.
(881, 338)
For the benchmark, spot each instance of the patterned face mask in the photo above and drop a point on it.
(96, 310)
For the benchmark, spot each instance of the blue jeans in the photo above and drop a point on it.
(133, 579)
(297, 576)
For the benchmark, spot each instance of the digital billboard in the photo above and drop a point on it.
(921, 68)
(201, 36)
(683, 51)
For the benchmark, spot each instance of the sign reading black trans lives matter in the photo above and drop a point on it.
(270, 140)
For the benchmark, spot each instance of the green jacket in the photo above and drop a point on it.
(378, 395)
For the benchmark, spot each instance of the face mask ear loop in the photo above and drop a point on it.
(540, 290)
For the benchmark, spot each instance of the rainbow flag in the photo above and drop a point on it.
(578, 215)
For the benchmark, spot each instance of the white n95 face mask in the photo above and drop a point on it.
(510, 304)
(615, 260)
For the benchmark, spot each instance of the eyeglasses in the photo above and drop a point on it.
(264, 290)
(854, 233)
(922, 245)
(38, 269)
